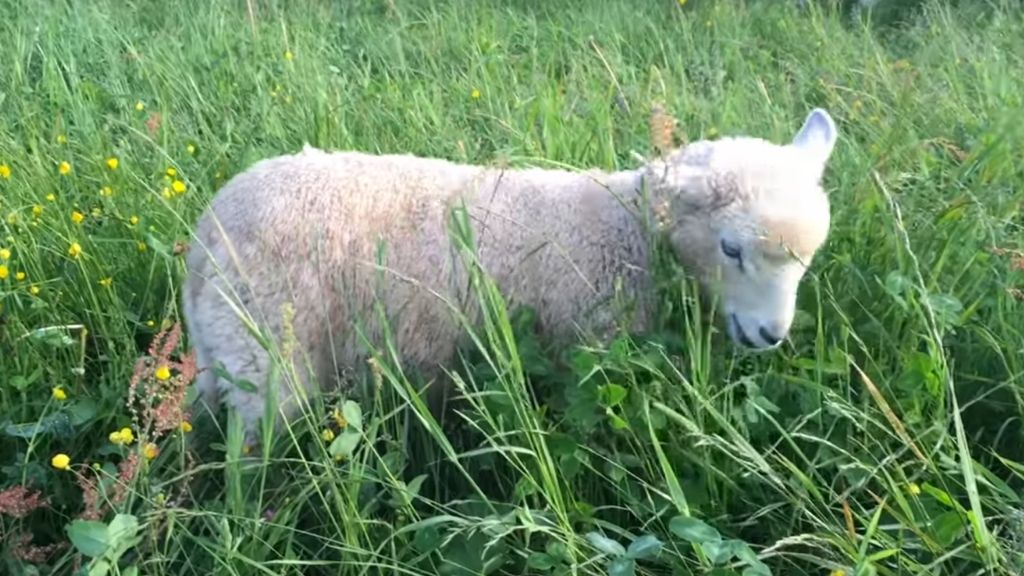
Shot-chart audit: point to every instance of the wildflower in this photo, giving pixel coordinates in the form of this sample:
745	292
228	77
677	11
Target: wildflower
18	501
150	451
186	426
77	217
112	163
191	149
37	210
475	94
171	171
150	323
19	276
133	220
5	254
5	171
327	435
914	489
33	290
51	197
64	168
339	419
58	393
140	106
141	246
62	139
61	462
122	436
179	187
3	272
288	55
106	282
106	191
162	373
837	572
75	250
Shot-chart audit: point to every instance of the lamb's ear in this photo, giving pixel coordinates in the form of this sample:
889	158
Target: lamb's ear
818	135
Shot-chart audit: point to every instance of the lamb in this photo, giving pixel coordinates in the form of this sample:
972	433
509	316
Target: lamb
293	244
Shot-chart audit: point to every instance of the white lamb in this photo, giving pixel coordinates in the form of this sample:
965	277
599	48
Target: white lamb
743	215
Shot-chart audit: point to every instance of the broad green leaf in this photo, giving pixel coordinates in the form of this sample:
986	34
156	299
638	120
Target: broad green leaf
718	551
345	444
622	567
353	414
644	547
88	537
122	527
605	545
693	530
612	395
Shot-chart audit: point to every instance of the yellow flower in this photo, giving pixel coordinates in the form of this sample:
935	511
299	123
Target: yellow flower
51	197
186	426
150	323
106	191
141	246
133	220
62	139
106	282
5	254
475	94
191	149
914	489
64	168
112	163
150	451
58	393
3	272
167	193
122	436
37	210
288	55
171	171
74	250
77	217
140	106
19	276
339	419
837	572
162	373
327	435
61	462
682	2
33	290
5	171
179	187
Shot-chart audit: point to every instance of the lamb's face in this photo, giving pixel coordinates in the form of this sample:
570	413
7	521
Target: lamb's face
746	217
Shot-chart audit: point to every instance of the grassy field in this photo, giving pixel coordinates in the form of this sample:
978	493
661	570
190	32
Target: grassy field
884	438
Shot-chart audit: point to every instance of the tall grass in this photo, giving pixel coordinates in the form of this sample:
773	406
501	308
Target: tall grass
884	438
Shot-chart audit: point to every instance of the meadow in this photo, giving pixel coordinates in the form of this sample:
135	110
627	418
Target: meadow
885	437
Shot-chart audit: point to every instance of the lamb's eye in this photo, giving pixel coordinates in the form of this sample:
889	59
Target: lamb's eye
731	250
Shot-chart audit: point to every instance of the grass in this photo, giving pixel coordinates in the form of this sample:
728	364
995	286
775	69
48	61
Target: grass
885	438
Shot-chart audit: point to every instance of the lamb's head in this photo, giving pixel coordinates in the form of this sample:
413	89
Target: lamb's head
746	216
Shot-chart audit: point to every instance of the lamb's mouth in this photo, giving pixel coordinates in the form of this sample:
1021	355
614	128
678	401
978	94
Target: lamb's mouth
740	334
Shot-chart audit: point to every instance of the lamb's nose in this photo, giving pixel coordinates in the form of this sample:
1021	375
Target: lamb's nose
769	337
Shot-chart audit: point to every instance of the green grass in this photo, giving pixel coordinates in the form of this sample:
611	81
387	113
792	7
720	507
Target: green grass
885	438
